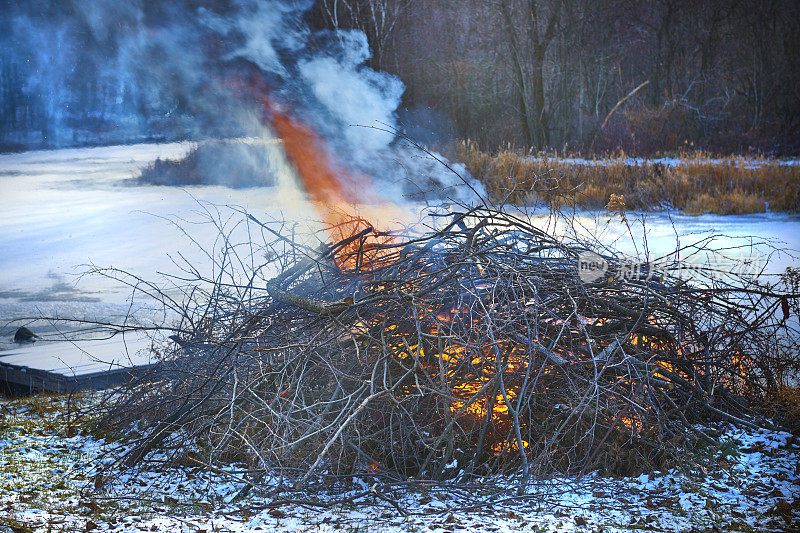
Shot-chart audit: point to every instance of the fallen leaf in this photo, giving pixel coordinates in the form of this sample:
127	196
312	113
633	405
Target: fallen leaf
785	508
91	505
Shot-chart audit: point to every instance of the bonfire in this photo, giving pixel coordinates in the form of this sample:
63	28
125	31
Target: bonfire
471	343
473	348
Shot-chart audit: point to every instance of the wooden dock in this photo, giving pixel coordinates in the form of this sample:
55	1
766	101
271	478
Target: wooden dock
65	366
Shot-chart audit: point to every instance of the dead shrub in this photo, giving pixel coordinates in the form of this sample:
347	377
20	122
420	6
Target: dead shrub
232	163
783	403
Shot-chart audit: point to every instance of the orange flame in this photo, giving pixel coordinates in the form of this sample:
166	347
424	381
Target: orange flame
305	150
331	188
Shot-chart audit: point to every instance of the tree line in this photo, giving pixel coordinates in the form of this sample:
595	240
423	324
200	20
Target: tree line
576	75
720	75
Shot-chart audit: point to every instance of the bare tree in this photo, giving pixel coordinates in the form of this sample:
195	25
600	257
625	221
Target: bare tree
376	18
531	27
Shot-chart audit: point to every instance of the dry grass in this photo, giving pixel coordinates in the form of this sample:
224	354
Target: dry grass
45	413
783	403
699	185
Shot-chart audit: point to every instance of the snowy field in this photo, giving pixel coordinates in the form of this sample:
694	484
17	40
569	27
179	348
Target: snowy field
53	480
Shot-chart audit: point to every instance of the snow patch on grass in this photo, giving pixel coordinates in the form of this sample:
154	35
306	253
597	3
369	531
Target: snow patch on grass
53	480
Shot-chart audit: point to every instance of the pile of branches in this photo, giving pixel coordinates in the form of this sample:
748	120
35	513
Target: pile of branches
473	347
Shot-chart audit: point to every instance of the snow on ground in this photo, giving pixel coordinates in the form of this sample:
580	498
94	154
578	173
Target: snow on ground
50	482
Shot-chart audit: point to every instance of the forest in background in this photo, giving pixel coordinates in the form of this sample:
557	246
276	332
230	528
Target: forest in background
720	76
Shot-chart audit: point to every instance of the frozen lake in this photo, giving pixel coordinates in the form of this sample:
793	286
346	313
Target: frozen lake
63	210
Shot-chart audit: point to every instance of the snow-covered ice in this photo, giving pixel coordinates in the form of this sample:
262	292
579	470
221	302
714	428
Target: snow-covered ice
65	209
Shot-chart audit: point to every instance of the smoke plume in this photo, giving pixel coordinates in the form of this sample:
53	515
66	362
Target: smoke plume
110	71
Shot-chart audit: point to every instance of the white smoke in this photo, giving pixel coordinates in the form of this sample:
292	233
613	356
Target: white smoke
265	26
354	95
162	67
352	105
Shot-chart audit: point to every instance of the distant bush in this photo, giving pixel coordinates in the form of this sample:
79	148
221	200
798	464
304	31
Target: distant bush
676	126
236	164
